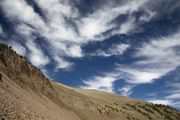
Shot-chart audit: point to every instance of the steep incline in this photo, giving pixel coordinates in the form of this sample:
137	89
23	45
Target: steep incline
25	93
24	73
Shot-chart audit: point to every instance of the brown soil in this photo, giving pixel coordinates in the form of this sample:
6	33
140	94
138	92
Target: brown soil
26	94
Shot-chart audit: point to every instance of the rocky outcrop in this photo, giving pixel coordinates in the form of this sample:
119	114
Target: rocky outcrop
23	73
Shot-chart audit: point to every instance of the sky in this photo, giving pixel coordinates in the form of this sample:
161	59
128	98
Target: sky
127	47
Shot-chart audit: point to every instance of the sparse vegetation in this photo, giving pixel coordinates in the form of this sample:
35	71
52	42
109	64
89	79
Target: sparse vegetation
1	78
2	46
30	92
2	58
115	104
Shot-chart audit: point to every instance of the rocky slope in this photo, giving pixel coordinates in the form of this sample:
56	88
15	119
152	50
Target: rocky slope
25	93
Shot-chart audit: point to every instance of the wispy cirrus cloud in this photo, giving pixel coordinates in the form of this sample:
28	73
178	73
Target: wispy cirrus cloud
37	57
159	101
61	63
159	57
30	24
126	90
171	99
1	30
64	30
154	64
169	91
102	82
94	25
173	96
117	49
18	48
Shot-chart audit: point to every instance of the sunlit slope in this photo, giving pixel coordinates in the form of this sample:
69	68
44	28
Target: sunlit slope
26	94
96	105
24	104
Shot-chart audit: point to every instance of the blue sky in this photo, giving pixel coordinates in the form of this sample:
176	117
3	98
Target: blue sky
128	47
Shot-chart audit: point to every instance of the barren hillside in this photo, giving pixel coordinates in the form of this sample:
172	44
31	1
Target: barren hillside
26	94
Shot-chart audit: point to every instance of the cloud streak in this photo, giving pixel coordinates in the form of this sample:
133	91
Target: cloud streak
101	82
164	102
37	57
65	30
1	30
154	64
115	50
160	56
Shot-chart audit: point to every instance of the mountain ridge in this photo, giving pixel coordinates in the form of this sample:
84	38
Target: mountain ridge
28	94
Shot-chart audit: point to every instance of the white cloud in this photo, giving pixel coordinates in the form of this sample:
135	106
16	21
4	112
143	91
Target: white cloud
54	30
1	30
147	16
126	90
58	31
118	49
52	6
20	10
92	26
176	104
101	82
96	23
171	100
154	50
25	30
18	48
105	82
160	58
174	86
74	51
126	27
140	76
173	96
57	28
156	64
61	63
164	102
36	56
